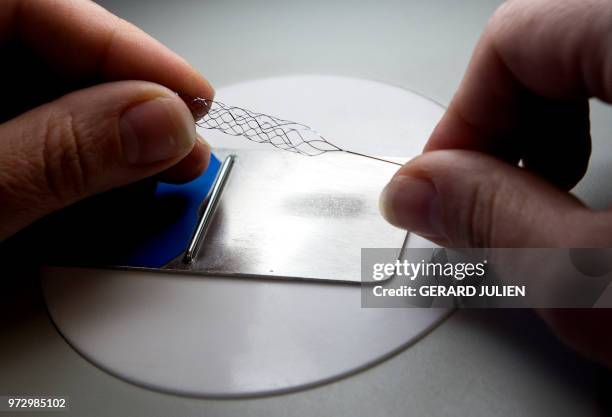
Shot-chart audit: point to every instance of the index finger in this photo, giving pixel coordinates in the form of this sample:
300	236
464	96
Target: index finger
81	39
529	80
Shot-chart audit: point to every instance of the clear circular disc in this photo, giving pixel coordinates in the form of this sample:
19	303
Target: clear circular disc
222	337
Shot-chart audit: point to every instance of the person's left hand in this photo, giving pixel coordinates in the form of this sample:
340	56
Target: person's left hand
73	121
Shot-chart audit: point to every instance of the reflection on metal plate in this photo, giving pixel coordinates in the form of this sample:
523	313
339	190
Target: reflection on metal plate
290	216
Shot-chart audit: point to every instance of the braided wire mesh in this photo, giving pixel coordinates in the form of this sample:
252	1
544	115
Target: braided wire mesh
261	128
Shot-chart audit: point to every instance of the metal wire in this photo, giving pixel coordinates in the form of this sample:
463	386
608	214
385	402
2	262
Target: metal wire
262	128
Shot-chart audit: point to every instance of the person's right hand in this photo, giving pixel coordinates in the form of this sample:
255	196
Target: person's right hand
88	104
524	98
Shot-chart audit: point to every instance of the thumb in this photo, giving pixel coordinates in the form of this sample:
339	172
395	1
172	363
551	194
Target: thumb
467	199
85	143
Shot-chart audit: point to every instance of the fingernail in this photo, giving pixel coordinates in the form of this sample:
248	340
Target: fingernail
411	203
199	107
202	140
156	130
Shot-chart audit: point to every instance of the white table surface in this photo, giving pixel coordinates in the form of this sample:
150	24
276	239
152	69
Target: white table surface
489	363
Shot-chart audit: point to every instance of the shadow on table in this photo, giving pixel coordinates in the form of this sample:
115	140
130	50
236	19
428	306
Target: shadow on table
529	335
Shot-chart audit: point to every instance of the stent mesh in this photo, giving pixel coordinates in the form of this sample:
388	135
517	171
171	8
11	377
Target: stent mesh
261	128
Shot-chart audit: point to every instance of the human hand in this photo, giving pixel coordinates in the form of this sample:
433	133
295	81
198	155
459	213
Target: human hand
74	121
524	98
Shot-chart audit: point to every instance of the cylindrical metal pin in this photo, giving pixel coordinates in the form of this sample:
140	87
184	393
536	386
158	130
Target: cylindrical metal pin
209	211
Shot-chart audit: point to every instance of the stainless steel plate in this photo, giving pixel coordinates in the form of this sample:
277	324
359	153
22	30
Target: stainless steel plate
290	216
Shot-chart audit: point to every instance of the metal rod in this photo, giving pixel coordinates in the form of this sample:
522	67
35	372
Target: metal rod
372	157
209	211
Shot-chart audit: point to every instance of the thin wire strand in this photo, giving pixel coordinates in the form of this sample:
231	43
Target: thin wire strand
373	157
262	128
